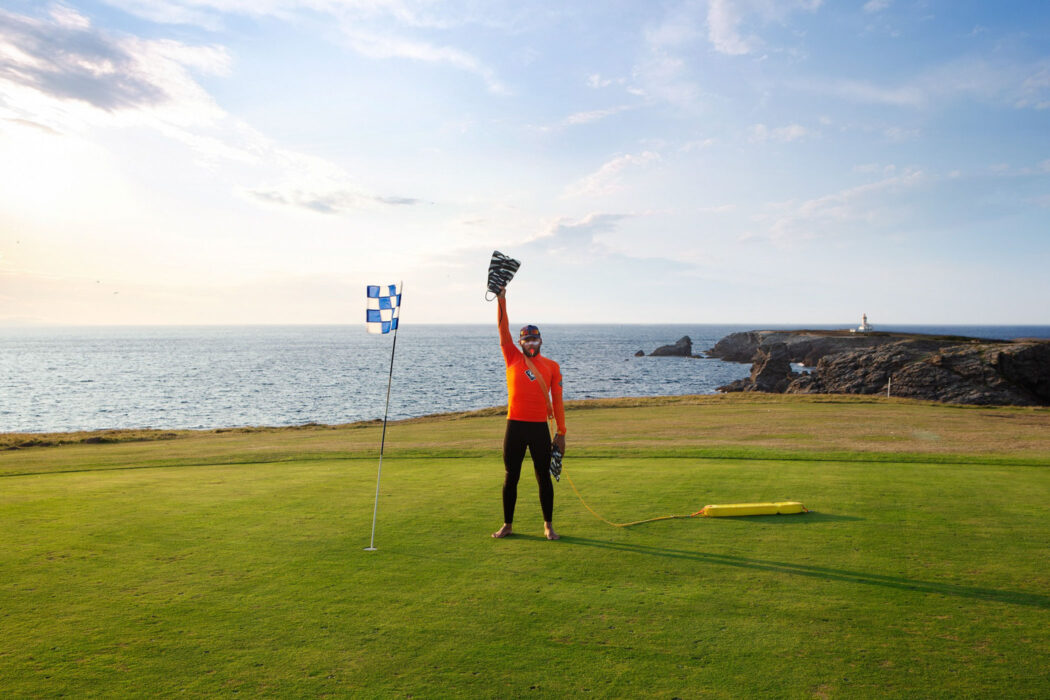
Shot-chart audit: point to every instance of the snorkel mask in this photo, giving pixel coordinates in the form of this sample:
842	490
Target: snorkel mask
530	341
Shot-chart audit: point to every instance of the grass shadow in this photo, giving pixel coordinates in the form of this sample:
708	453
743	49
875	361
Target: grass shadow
809	518
864	578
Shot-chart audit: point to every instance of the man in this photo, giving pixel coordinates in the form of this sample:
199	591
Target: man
527	410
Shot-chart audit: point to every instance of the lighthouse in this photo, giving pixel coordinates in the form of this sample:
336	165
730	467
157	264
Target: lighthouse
864	326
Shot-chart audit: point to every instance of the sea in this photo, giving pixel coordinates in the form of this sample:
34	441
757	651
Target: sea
58	379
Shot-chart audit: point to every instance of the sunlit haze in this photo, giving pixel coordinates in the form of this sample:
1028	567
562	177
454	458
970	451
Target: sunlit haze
718	161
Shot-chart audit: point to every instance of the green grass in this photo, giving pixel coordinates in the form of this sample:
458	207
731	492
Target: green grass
215	564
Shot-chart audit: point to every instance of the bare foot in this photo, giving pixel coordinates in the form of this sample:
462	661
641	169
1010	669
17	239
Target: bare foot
503	531
548	530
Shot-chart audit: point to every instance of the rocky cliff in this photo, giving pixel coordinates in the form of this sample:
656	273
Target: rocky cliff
682	348
939	368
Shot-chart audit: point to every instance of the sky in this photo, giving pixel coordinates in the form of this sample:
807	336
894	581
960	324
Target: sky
708	161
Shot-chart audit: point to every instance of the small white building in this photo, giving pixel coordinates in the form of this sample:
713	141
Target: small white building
864	326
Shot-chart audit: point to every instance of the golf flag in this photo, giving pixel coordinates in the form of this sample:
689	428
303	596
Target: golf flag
384	303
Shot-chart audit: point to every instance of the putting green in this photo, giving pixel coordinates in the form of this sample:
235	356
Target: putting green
216	564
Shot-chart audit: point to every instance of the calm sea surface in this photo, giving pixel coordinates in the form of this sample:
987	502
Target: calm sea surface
60	379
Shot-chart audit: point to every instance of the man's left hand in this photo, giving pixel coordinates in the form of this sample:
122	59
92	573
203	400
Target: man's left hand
559	442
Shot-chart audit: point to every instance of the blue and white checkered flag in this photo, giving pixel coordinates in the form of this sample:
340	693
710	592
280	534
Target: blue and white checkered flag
384	303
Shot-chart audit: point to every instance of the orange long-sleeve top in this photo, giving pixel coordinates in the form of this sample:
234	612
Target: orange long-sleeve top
525	399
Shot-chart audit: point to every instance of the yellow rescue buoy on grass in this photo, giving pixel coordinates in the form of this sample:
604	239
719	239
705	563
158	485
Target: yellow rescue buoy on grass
731	509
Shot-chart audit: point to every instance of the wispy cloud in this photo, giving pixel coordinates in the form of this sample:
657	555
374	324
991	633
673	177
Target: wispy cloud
825	215
608	178
791	132
332	202
594	115
579	235
60	74
1025	86
872	6
697	145
869	93
723	29
726	19
382	45
378	29
61	56
1035	88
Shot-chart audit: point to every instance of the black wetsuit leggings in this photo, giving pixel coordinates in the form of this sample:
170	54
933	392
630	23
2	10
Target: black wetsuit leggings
537	437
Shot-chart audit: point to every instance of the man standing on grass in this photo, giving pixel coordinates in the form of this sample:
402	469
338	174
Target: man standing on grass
534	390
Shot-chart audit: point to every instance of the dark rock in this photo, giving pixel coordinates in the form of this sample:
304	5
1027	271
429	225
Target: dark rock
737	347
683	348
771	372
1027	366
966	374
640	353
772	369
938	368
737	385
807	346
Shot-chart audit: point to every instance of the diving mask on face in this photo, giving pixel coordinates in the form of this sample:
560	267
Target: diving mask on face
531	346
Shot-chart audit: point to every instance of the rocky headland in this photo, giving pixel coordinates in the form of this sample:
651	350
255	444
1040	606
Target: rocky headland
952	369
682	348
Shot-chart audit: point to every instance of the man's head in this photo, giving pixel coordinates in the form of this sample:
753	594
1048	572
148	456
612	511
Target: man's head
530	340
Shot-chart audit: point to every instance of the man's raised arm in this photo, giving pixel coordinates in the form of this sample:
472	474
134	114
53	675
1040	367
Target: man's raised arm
506	340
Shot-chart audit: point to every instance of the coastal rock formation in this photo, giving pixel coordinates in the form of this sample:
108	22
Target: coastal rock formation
771	372
937	368
683	348
808	346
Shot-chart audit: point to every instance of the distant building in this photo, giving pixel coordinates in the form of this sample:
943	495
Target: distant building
864	326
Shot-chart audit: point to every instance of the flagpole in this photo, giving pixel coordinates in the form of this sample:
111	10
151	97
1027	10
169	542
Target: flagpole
382	442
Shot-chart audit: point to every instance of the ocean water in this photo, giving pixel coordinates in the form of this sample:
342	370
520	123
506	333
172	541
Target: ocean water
89	378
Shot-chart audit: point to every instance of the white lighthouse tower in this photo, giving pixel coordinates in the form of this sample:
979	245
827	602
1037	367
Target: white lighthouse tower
864	326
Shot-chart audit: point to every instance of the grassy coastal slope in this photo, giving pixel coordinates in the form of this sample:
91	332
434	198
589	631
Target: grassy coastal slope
222	562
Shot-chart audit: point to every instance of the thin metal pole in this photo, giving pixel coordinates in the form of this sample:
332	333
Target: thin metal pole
382	442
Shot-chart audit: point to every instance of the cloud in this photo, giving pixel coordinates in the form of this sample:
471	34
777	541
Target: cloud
868	93
1035	89
61	58
385	45
607	179
373	28
587	117
594	115
64	59
568	234
723	29
725	19
1024	86
59	74
899	134
596	81
34	125
876	5
821	215
792	132
697	145
332	202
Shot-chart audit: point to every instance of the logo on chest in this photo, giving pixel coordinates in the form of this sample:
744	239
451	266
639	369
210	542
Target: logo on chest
530	375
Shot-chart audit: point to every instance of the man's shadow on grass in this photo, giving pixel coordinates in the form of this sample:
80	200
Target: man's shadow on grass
829	574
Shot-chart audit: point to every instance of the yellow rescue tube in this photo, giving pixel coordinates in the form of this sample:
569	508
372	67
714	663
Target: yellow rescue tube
731	509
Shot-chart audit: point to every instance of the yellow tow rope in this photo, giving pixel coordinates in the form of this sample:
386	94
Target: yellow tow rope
636	522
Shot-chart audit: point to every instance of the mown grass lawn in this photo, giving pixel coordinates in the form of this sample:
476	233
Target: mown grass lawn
216	564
